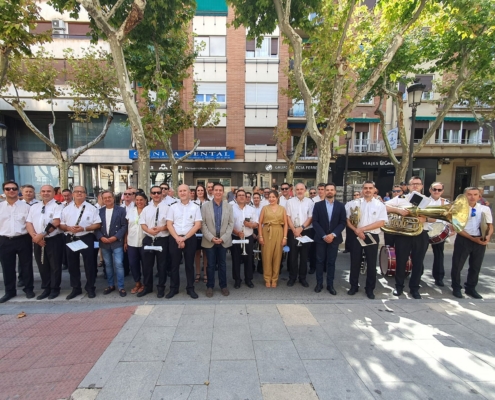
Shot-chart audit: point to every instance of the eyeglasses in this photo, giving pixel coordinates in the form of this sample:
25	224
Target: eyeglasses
473	212
312	192
10	189
285	188
415	184
78	191
396	191
129	194
437	190
156	192
164	188
356	194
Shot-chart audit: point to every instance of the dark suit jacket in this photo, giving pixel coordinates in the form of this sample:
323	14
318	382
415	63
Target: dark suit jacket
323	226
118	227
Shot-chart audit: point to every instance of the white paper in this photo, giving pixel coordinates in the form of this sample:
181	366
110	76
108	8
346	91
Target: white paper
77	245
362	242
305	239
240	241
97	245
155	248
424	203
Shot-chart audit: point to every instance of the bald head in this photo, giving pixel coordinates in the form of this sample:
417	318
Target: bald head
183	191
300	190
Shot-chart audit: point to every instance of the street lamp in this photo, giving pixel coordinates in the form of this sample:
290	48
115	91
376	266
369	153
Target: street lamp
348	135
414	94
3	139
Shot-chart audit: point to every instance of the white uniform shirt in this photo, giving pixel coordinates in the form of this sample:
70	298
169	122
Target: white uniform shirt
32	202
169	200
135	233
264	202
90	216
184	216
438	202
13	218
257	210
240	215
40	215
299	211
209	197
129	207
152	216
399	202
473	224
371	212
317	199
283	201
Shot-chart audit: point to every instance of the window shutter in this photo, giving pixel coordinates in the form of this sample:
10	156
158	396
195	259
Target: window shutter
211	137
211	88
250	45
78	29
254	136
42	26
470	126
454	125
427	81
360	127
421	124
250	93
274	49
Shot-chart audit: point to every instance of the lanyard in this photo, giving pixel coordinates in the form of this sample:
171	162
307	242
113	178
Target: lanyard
156	216
80	215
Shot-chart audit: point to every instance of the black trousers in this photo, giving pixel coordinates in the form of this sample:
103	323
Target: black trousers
88	256
312	250
189	252
161	261
348	239
416	246
237	257
259	265
51	266
438	270
389	239
298	256
371	254
21	247
464	248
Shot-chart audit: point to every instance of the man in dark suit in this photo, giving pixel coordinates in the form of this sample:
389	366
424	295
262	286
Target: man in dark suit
329	220
111	238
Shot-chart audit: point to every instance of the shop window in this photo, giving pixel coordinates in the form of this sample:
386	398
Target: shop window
118	135
268	49
211	46
261	94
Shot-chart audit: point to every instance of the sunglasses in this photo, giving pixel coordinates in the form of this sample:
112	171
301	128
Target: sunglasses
156	192
10	189
356	195
473	212
128	194
164	188
312	192
396	191
285	188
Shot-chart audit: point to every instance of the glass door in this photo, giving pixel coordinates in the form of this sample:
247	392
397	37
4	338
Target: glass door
463	179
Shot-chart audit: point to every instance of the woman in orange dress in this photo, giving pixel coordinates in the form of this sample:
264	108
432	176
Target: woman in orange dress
273	238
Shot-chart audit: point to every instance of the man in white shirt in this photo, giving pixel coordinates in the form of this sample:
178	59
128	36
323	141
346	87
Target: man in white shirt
321	193
257	208
312	192
373	215
166	197
79	220
153	220
67	200
264	200
416	246
469	243
49	244
129	196
15	242
183	221
284	195
299	217
209	190
29	194
245	220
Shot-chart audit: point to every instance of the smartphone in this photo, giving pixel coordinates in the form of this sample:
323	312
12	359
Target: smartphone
247	219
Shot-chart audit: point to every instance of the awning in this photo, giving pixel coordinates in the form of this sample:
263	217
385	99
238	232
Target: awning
364	120
489	176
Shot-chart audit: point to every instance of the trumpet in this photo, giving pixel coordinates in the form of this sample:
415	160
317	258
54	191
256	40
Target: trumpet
243	241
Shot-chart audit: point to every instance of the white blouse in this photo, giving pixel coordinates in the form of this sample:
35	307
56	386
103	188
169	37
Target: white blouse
135	233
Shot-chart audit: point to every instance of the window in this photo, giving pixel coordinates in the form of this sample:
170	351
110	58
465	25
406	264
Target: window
211	137
297	109
260	136
211	46
420	129
426	80
268	49
361	137
368	99
310	150
261	93
118	135
206	92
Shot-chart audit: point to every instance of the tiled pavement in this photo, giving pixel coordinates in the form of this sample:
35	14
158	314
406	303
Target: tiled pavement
45	356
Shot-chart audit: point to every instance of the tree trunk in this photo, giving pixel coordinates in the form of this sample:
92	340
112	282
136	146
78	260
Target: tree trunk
401	171
324	156
174	169
132	113
289	177
63	173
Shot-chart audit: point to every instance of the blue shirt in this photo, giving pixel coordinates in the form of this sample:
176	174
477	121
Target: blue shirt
217	211
329	207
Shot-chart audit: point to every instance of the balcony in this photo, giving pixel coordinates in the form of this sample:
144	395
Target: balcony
367	146
297	110
470	141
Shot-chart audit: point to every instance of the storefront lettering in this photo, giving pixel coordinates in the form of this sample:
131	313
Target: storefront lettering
197	155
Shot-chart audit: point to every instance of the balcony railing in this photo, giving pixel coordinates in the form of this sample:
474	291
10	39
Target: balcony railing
367	146
297	110
474	141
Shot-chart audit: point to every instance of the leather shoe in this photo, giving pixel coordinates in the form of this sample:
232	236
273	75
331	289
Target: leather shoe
473	293
352	291
250	284
209	292
291	282
53	295
7	297
91	294
21	283
192	293
44	295
331	290
345	251
171	293
439	282
109	290
397	292
237	285
370	295
144	292
161	292
304	283
457	293
318	287
122	293
225	291
312	271
74	293
30	294
415	294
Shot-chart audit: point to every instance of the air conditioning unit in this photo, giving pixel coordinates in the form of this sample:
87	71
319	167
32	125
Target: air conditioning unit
58	24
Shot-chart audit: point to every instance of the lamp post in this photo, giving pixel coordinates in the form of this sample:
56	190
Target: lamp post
348	135
414	94
3	139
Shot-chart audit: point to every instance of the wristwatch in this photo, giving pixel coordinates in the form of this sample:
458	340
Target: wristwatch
302	226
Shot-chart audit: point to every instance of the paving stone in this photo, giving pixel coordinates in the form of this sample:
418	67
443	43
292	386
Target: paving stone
187	363
131	380
230	309
101	371
279	362
396	390
228	320
203	309
232	343
232	380
267	327
296	315
486	389
130	329
189	334
151	343
172	392
335	379
196	321
314	349
299	391
262	309
85	394
168	315
323	309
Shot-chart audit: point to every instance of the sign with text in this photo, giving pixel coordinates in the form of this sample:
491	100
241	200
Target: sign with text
393	135
197	155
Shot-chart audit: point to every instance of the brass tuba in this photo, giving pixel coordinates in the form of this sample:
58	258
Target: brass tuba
355	215
456	213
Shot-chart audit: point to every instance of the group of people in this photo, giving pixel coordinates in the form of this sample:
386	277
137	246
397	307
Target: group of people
168	231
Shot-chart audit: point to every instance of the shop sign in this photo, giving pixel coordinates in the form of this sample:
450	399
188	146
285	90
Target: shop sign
299	167
377	163
197	155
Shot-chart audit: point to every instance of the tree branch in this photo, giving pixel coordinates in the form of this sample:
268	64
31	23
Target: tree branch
300	145
4	64
134	17
381	115
189	153
344	32
114	8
